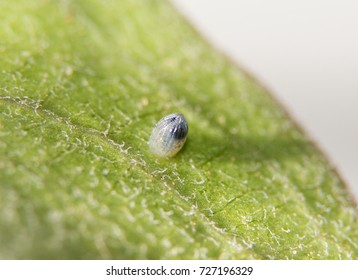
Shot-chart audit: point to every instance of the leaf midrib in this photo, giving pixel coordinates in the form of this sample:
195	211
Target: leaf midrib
45	113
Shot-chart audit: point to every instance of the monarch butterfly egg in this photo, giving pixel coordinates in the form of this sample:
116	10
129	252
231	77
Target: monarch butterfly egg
169	135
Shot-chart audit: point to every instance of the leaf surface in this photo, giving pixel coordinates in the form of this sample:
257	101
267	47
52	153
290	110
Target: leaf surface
82	85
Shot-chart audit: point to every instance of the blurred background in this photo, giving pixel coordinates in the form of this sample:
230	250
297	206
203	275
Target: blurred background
306	53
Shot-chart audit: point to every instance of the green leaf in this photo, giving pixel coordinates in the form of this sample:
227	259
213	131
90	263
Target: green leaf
83	83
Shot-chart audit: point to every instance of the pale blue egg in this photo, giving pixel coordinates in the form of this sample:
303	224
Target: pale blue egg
169	135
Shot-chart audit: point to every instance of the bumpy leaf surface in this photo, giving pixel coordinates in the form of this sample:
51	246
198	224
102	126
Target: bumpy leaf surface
82	84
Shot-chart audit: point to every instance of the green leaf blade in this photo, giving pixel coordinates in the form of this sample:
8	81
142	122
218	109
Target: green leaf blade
78	99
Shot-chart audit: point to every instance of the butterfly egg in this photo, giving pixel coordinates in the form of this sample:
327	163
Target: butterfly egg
169	135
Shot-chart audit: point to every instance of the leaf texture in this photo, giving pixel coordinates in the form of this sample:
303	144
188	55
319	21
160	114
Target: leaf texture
82	85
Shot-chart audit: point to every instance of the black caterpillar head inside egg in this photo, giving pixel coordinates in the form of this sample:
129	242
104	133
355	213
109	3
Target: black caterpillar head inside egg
169	135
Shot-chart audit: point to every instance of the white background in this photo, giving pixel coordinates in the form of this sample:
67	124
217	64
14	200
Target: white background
306	52
265	270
